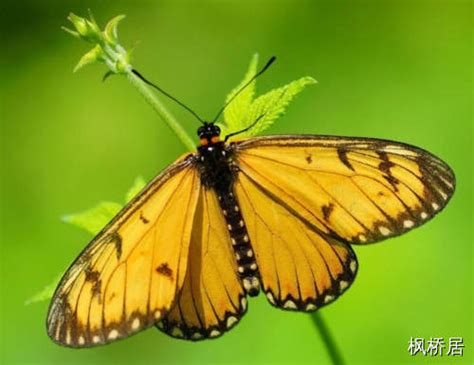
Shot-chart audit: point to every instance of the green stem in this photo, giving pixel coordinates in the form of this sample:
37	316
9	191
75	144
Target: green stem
161	110
333	351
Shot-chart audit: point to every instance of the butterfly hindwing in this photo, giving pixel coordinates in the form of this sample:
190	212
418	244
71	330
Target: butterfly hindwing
128	276
357	190
301	268
212	299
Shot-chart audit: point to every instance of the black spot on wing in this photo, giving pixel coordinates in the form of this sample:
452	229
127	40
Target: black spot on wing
165	270
143	219
385	165
342	154
327	210
93	276
116	239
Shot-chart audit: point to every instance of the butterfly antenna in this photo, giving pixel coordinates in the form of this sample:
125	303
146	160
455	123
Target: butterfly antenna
136	73
245	129
270	61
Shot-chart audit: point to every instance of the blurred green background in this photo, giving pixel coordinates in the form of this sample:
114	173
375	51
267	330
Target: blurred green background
400	70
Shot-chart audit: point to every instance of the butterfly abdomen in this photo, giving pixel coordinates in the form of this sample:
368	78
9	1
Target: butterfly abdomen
216	173
244	254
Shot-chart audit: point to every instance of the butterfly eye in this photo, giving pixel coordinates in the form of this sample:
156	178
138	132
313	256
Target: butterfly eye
201	131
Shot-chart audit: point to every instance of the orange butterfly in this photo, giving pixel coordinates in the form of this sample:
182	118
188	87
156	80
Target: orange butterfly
273	214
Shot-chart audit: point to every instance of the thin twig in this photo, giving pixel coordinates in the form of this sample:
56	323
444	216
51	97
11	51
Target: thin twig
331	346
161	110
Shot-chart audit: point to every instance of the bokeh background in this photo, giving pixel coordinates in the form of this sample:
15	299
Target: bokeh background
399	70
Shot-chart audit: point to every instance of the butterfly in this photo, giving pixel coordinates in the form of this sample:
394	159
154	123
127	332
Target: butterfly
274	215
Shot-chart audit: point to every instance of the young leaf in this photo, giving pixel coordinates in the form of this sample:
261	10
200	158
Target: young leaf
137	186
96	54
244	110
94	219
234	114
272	105
46	293
110	32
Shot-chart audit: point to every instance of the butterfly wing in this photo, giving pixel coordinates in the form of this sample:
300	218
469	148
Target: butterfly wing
212	299
128	276
303	198
301	268
357	190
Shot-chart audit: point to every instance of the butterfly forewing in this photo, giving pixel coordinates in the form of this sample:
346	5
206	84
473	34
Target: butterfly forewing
212	299
356	190
129	275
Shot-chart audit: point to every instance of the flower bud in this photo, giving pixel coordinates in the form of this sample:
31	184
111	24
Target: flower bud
106	47
88	30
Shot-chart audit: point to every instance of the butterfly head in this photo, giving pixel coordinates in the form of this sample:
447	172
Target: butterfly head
208	133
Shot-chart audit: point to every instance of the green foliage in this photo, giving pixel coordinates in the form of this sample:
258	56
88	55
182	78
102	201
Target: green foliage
94	55
272	105
94	219
245	110
236	111
110	32
46	293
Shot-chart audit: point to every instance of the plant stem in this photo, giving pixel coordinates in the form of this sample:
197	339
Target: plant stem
333	351
161	110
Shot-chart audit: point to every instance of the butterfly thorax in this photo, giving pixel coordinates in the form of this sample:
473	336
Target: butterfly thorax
215	161
217	172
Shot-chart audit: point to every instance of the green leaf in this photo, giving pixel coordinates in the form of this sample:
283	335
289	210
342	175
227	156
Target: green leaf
46	293
137	186
234	114
244	110
96	54
94	219
272	105
71	32
110	32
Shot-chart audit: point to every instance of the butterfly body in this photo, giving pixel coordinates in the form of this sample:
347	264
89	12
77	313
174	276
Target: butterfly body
217	172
